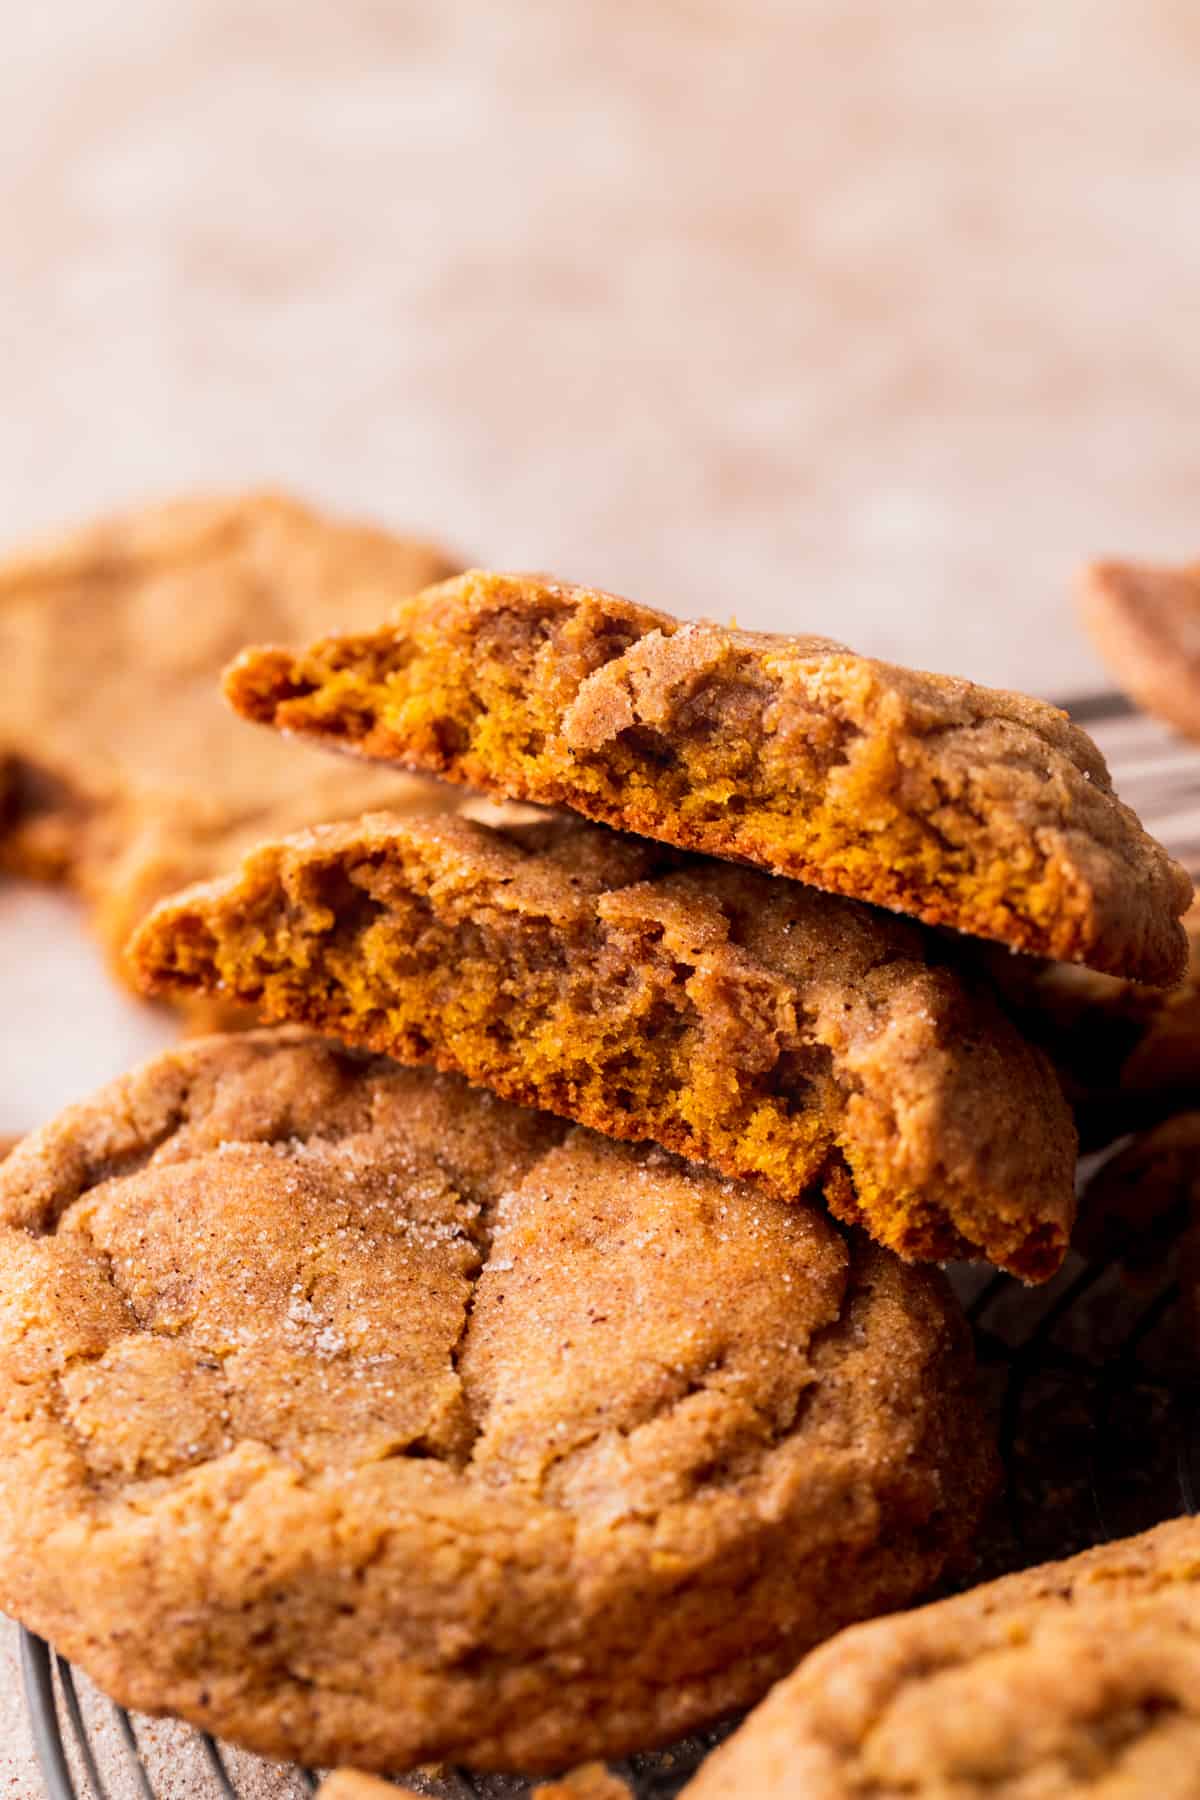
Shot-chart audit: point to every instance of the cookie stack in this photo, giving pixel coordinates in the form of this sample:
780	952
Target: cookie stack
528	1347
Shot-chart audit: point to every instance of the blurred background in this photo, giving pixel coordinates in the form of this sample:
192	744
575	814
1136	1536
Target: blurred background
863	319
852	318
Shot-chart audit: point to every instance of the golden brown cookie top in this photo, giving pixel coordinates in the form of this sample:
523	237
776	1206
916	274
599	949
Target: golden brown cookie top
400	1413
591	1781
120	769
1145	621
963	806
1080	1677
753	1023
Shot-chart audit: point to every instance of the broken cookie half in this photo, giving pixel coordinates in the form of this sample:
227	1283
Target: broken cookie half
985	811
757	1025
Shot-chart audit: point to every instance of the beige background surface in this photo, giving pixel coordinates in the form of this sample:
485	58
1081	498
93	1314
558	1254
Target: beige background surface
854	318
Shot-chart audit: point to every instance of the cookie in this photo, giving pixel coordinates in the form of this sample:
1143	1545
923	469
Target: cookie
1080	1677
353	1784
981	810
1145	621
358	1416
592	1781
1126	1054
121	772
770	1030
1144	1202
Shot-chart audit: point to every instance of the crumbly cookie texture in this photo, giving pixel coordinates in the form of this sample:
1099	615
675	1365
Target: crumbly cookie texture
984	811
1078	1678
361	1417
121	772
1126	1054
1145	621
772	1031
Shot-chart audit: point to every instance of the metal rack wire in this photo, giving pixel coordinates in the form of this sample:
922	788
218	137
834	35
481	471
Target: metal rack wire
1095	1387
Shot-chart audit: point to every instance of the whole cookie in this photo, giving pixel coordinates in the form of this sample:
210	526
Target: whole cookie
756	1024
360	1417
986	811
121	772
1081	1677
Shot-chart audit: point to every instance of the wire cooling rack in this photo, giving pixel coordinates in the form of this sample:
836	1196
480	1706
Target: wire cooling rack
1093	1381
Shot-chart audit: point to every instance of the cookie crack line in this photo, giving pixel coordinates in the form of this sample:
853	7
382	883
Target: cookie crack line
984	811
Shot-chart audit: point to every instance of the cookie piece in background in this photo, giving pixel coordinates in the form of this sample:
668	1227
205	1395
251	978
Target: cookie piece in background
355	1784
591	1781
960	805
358	1416
1080	1677
775	1032
1144	619
122	773
1126	1054
1143	1206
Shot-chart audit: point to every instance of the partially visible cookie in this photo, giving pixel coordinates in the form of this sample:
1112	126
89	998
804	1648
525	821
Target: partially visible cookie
360	1417
1126	1053
355	1784
590	1782
1077	1678
755	1024
962	806
1144	1203
1145	620
121	772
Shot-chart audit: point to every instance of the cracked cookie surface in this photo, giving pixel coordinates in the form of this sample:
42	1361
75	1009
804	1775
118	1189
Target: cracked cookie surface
1143	1205
966	807
760	1026
1077	1678
359	1416
121	772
